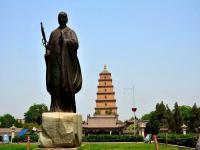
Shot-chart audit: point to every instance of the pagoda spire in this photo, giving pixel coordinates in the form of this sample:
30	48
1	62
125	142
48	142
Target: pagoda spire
105	67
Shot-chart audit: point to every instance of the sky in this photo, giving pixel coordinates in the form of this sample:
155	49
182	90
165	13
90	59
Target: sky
153	46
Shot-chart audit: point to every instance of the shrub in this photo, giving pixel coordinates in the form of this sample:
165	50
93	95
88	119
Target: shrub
188	140
19	139
112	138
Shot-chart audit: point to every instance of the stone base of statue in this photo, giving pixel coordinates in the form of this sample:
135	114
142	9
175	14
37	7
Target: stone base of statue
60	130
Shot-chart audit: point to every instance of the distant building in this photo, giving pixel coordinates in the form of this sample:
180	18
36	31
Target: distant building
9	131
105	119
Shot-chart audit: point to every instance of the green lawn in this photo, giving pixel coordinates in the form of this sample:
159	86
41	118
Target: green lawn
123	146
15	146
97	146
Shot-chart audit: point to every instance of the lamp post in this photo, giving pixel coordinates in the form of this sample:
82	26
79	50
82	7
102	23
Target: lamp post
134	110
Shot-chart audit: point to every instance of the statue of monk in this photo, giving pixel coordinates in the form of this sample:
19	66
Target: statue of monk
63	73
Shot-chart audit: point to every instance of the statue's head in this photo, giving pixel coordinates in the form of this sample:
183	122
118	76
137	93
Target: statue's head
62	18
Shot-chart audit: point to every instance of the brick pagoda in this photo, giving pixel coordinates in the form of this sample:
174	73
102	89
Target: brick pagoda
105	102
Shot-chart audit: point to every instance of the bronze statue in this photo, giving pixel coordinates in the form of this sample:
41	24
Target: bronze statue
63	73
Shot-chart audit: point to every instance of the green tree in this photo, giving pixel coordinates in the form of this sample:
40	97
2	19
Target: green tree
170	119
178	118
18	123
34	114
130	127
161	114
195	118
186	112
31	125
153	125
147	116
158	119
7	121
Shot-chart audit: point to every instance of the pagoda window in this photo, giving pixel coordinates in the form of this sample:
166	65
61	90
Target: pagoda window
105	90
105	97
105	104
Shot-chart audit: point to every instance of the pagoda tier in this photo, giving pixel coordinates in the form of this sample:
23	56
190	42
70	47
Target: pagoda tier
105	102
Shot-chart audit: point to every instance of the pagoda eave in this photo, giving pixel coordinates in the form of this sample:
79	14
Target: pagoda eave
105	86
105	93
105	80
105	73
105	108
105	100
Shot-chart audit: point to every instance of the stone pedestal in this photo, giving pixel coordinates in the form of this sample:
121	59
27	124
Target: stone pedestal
61	130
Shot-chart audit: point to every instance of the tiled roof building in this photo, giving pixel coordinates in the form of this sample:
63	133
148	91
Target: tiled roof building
8	131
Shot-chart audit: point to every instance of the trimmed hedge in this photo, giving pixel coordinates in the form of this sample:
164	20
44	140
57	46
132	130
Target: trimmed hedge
23	138
112	138
19	139
188	140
